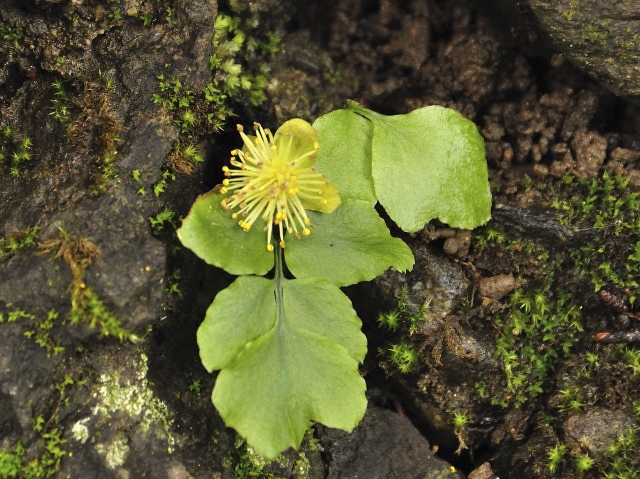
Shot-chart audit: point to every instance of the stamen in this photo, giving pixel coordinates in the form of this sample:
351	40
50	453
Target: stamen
268	183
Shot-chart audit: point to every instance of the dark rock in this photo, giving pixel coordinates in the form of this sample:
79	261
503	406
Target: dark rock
596	429
483	471
25	382
435	285
384	446
436	288
600	37
520	456
541	224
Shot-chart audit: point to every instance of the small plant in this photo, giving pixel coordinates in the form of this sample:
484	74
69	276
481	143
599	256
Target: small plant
195	387
41	333
38	422
11	462
115	15
11	32
206	111
162	219
108	171
584	463
86	305
146	19
14	464
631	359
460	420
190	152
13	150
18	240
622	457
161	185
536	333
136	176
571	400
592	359
38	330
401	317
247	463
59	107
402	356
169	17
295	330
174	283
556	458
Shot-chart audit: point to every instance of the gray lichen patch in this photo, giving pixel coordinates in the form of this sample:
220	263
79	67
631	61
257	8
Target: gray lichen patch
134	398
80	431
115	452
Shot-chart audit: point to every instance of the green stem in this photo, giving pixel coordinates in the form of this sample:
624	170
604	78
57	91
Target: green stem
278	280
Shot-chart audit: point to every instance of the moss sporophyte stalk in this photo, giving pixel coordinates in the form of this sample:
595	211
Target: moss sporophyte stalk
273	179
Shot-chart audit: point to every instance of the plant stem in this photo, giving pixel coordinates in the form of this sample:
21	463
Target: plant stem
278	279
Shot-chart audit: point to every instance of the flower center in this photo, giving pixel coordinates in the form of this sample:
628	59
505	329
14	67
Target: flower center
268	182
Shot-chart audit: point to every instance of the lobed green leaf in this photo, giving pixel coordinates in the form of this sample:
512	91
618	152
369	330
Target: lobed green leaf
285	362
350	245
429	163
345	153
211	233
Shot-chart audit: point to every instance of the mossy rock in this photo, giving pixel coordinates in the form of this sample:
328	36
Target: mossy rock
600	37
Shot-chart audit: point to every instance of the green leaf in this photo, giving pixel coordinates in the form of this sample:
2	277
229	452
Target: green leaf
345	153
350	245
211	233
428	164
231	320
286	359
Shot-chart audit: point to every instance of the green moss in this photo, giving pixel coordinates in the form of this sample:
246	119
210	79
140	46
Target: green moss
86	305
539	327
622	458
16	462
15	150
400	354
245	463
11	33
612	258
18	240
239	74
38	327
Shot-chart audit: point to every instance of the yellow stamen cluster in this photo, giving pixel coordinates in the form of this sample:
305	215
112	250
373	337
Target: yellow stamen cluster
272	179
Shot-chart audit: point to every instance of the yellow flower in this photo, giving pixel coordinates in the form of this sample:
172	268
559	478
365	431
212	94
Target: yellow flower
273	179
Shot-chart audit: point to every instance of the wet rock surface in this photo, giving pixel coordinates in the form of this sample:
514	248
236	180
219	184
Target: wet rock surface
599	37
143	409
383	446
597	429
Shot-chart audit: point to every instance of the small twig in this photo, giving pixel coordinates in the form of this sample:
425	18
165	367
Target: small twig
617	337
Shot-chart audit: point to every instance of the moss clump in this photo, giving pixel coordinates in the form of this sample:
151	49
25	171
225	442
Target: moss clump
18	240
86	305
15	150
612	259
